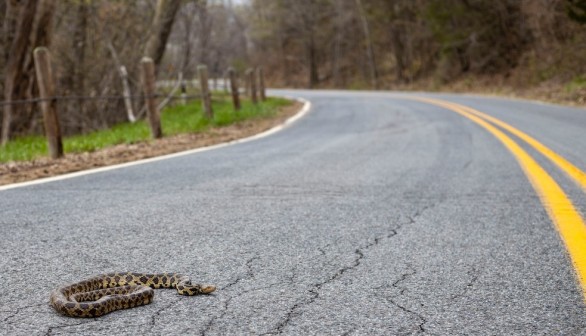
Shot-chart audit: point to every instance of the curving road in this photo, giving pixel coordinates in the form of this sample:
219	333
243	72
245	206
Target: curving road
375	214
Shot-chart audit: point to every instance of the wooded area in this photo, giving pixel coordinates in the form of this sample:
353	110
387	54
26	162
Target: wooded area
97	45
369	44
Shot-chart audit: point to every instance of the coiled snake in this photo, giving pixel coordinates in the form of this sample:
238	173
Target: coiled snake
105	293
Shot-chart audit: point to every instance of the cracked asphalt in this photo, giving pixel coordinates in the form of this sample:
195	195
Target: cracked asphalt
372	215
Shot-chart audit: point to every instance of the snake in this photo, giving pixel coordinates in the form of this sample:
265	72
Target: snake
105	293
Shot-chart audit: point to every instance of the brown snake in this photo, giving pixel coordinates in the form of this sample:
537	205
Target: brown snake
105	293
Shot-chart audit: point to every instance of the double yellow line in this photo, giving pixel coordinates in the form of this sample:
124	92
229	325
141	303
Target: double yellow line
562	212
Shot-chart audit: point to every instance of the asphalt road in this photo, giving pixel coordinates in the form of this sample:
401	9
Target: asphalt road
371	215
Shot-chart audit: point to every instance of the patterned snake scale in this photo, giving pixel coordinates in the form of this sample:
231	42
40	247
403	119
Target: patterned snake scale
105	293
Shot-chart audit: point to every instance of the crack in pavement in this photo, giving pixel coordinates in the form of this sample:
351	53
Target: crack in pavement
51	329
156	314
18	310
404	276
98	329
359	252
211	323
226	303
316	288
249	273
314	292
474	275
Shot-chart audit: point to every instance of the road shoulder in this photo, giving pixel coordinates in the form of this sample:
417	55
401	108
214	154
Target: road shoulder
17	172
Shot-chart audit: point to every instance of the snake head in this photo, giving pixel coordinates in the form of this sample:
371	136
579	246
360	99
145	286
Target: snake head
206	289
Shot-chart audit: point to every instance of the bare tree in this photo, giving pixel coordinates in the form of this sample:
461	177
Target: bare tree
369	47
205	29
309	43
33	29
162	25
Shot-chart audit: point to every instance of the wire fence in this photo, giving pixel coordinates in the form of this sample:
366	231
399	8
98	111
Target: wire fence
215	83
151	101
94	98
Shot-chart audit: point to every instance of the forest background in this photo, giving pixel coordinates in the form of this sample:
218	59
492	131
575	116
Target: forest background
530	48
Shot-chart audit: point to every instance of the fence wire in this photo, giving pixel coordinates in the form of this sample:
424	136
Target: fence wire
94	98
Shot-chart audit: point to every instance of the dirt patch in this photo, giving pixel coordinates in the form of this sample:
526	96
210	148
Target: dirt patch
29	170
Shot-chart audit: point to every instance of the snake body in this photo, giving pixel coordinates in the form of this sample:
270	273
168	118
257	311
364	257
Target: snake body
105	293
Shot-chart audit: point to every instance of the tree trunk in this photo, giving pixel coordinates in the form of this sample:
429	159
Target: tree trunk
369	48
312	59
162	25
79	39
205	29
15	62
337	55
337	48
13	8
33	29
188	31
284	60
398	50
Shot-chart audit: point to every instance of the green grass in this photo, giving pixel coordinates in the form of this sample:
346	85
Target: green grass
174	120
577	83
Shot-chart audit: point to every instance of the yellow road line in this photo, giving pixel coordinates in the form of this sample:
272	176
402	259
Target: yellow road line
562	212
573	171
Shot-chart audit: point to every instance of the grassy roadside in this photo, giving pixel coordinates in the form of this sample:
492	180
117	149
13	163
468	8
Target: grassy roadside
174	120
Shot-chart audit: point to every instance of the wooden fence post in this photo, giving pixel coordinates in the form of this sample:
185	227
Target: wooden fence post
183	93
261	84
250	78
234	88
49	104
148	82
206	96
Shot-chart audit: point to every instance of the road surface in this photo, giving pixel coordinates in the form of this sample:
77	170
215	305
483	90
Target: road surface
374	214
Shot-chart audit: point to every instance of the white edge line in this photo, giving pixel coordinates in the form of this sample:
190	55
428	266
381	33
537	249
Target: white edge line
304	110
